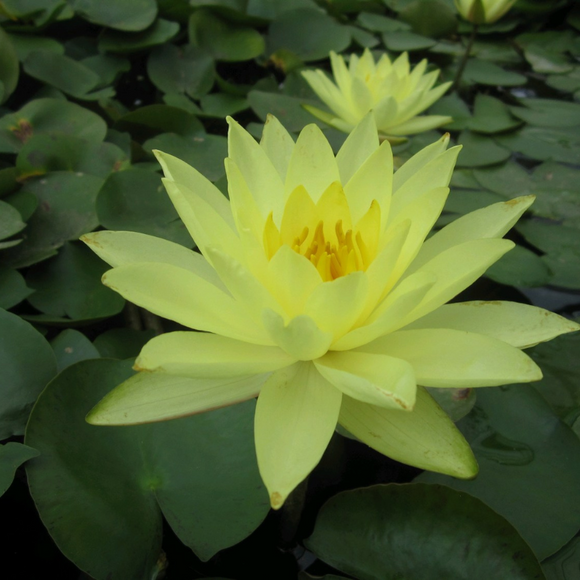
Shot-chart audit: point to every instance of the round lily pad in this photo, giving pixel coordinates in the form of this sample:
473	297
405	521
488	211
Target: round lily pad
128	15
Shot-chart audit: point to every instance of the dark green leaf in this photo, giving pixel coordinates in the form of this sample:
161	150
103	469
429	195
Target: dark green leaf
400	41
431	532
160	32
222	39
69	285
548	112
308	33
13	289
490	115
455	107
66	210
46	116
520	267
479	151
529	464
181	70
111	484
12	456
432	18
122	343
136	201
204	152
24	44
128	15
9	66
27	363
379	23
72	346
10	221
486	73
565	564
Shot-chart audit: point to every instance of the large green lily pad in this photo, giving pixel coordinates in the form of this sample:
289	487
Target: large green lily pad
431	532
108	486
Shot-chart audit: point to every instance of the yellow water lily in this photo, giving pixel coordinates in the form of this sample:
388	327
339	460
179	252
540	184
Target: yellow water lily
317	291
483	11
393	91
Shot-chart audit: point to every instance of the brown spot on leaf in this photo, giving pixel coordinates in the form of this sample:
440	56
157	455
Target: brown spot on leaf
22	130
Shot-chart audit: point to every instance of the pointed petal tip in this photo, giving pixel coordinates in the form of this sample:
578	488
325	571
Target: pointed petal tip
276	500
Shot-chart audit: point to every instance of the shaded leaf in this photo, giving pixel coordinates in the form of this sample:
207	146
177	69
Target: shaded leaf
12	456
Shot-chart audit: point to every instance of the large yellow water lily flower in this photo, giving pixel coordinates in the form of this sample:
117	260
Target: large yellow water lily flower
483	11
316	290
391	90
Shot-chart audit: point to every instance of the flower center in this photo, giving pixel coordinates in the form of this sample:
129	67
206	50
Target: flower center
333	258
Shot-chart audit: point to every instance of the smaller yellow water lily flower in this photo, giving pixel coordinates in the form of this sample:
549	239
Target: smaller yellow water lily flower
483	11
318	292
390	89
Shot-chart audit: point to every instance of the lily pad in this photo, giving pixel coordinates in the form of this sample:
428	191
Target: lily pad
529	465
490	116
565	564
136	201
181	70
479	151
12	456
520	267
122	343
160	32
155	469
409	531
453	106
548	112
68	287
401	41
222	39
486	73
28	364
308	33
127	15
49	116
13	288
9	66
72	346
66	210
10	221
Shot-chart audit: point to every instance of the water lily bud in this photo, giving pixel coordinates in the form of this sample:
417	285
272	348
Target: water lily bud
483	11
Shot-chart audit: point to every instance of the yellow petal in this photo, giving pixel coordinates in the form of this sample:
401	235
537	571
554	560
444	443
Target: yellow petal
372	181
204	355
419	160
420	124
458	359
299	212
333	207
434	174
300	338
517	324
340	72
295	419
425	438
258	171
493	221
457	268
179	171
362	99
182	296
391	314
292	278
149	397
123	248
242	284
358	147
205	225
277	144
312	164
336	305
371	378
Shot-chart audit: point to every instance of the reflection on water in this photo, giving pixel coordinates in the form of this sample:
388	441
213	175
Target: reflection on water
503	450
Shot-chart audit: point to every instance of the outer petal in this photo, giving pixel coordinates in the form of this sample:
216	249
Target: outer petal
335	306
517	324
205	225
391	313
457	268
493	221
436	173
149	397
372	181
312	164
278	145
454	358
300	338
371	378
204	355
425	438
419	160
295	418
177	170
123	248
258	171
358	147
182	296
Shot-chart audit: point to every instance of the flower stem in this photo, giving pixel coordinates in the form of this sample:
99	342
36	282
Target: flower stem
465	58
